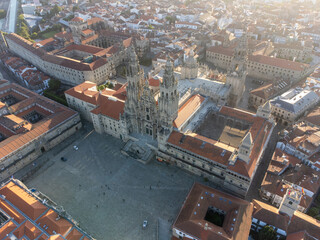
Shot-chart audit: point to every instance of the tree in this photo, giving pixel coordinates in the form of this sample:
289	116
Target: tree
171	19
313	212
75	8
109	85
55	10
267	233
20	18
54	84
34	35
101	87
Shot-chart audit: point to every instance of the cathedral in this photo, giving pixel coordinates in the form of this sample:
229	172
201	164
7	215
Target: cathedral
179	123
149	111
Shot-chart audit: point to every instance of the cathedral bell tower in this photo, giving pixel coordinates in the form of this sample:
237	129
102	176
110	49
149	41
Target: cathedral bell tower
135	80
237	71
169	97
76	25
290	202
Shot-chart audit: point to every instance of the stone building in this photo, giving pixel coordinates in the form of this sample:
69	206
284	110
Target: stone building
157	117
300	51
195	220
208	214
30	125
26	214
292	104
81	55
261	95
69	70
287	171
237	71
259	66
189	68
229	162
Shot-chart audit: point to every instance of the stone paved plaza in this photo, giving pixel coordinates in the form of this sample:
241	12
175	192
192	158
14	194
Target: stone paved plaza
109	194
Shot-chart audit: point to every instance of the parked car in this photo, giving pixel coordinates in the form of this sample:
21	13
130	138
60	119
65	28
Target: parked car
63	159
75	147
145	223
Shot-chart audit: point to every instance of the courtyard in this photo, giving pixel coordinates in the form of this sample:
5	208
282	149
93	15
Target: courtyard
226	131
109	194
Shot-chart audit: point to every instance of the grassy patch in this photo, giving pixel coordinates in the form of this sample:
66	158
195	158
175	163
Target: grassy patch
49	34
52	95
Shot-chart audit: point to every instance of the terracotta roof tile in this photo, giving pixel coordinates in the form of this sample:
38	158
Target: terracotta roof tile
191	217
110	106
277	62
77	19
17	201
49	219
6	229
21	199
221	50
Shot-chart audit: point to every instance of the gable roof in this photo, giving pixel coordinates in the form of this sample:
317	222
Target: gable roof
191	219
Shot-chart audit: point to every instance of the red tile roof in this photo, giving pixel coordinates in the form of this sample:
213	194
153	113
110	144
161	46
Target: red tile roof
277	62
18	200
77	19
191	220
260	129
81	92
154	82
94	20
53	116
110	107
221	50
56	59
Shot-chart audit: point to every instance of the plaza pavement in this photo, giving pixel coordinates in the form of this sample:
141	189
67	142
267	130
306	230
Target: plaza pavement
110	194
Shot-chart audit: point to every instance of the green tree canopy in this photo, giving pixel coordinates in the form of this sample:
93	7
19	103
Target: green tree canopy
54	84
313	212
55	10
75	8
171	19
267	233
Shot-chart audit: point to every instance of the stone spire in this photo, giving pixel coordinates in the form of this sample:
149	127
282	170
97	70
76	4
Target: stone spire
134	67
264	110
245	148
168	76
169	97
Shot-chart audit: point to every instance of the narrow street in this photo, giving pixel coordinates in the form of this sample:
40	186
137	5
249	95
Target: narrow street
6	74
253	192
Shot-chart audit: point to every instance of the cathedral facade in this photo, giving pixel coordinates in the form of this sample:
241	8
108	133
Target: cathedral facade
148	111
